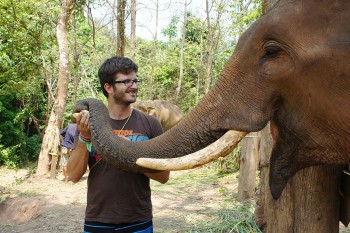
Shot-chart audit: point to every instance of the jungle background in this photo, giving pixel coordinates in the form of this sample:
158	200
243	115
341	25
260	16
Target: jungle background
50	52
180	68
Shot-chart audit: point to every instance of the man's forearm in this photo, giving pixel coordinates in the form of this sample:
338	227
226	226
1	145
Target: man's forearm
77	162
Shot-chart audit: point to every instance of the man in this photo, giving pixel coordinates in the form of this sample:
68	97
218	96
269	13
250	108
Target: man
68	137
117	200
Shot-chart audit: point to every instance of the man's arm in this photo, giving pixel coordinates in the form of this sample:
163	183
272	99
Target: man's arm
78	161
161	177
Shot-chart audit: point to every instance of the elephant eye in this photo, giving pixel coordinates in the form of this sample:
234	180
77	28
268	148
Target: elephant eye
275	59
271	51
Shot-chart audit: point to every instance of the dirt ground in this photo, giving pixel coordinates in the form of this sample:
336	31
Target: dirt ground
29	204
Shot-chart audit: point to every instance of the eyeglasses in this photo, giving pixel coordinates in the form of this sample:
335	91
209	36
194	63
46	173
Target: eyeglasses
129	82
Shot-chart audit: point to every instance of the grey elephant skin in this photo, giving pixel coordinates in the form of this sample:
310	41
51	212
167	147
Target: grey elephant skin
292	68
167	113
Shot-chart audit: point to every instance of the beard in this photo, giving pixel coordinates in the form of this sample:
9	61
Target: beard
124	98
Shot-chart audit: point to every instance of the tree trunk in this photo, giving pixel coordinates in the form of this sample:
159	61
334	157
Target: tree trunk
178	88
157	21
76	56
153	54
212	41
133	30
121	27
209	51
249	161
57	111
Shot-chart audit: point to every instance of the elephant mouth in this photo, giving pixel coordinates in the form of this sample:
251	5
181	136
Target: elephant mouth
219	148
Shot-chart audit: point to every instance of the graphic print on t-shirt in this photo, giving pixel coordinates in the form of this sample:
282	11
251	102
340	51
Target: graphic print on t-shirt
134	137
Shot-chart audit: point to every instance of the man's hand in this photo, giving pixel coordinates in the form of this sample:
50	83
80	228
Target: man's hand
83	124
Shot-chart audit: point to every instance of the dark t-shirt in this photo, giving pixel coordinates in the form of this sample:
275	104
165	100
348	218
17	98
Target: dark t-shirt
117	196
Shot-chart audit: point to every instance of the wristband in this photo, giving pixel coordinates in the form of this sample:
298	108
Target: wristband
85	137
86	141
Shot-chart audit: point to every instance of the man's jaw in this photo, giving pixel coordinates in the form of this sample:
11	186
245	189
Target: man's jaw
132	95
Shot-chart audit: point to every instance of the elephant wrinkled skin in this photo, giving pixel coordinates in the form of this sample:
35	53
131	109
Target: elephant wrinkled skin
292	68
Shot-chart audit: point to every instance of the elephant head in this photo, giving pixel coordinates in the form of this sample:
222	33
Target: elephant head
167	113
292	68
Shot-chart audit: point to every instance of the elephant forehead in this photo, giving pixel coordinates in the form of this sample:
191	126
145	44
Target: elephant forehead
307	22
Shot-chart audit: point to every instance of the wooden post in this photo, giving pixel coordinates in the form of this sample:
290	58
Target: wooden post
264	166
54	153
249	161
54	159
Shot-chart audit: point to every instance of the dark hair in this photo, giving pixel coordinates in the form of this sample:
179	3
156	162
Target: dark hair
109	69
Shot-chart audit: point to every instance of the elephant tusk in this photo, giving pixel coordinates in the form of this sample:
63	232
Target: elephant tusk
219	148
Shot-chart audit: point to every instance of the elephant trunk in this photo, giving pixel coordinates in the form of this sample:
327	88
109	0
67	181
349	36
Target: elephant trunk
187	137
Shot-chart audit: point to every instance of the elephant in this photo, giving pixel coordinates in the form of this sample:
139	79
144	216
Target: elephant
167	113
290	68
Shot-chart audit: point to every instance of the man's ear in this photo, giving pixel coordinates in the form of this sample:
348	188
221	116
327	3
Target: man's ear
108	87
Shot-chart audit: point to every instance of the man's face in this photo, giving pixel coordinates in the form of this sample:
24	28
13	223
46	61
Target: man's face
125	89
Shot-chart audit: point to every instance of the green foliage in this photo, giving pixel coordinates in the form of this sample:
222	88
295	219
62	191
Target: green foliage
171	30
196	32
20	154
29	64
24	39
30	149
243	14
16	148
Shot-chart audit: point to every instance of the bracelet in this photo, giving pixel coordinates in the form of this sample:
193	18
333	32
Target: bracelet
86	141
86	138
